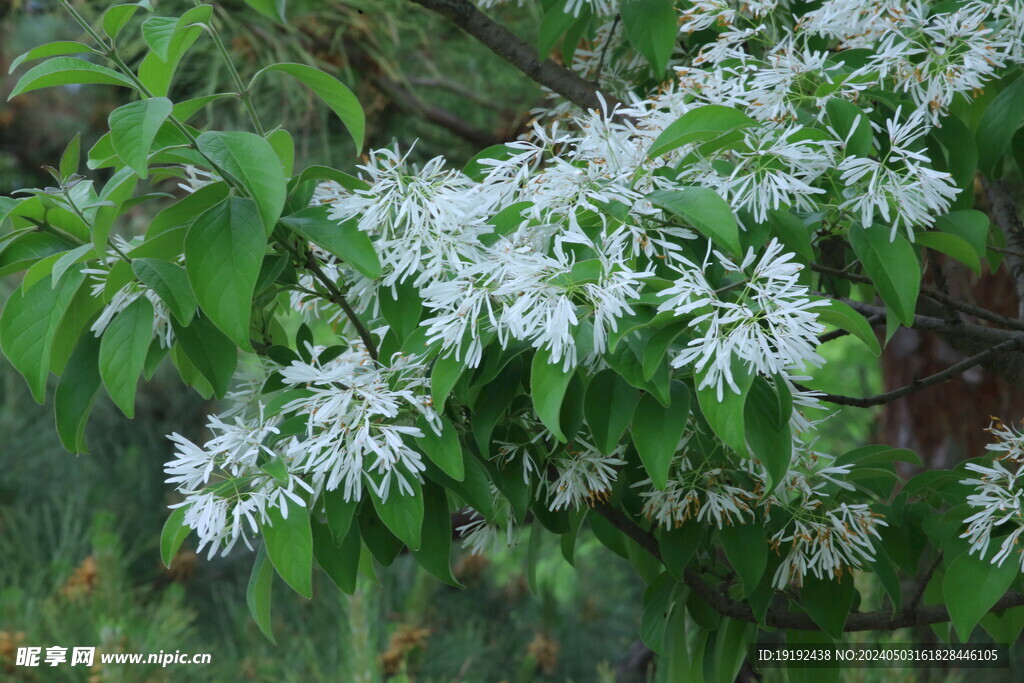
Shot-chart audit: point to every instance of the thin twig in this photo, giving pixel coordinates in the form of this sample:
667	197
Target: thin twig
963	307
337	297
918	385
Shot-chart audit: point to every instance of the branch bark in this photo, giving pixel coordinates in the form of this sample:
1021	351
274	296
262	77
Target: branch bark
518	53
879	620
439	116
1004	214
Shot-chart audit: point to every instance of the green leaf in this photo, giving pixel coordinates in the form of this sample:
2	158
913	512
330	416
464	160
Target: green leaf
27	326
134	126
842	316
792	231
609	405
333	92
657	346
697	125
55	49
344	240
402	514
547	389
257	594
123	352
657	430
272	9
223	255
828	602
445	451
66	71
972	226
183	111
71	158
725	415
770	442
555	22
951	245
76	393
173	535
339	513
892	267
289	542
705	210
434	554
250	161
170	283
852	125
652	28
443	376
212	354
747	550
971	586
401	307
284	146
998	124
338	559
116	17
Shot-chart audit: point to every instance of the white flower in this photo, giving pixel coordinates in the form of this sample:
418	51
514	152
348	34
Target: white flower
584	475
825	543
998	497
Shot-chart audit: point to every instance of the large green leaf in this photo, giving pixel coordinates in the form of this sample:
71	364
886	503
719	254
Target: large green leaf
767	434
434	553
170	283
445	450
892	266
272	9
697	125
55	49
66	71
657	430
609	405
27	326
725	416
289	542
333	92
257	594
211	354
998	124
747	549
76	392
828	602
705	210
844	317
951	245
173	535
123	352
250	161
223	255
116	17
344	240
971	586
652	28
402	514
547	389
134	126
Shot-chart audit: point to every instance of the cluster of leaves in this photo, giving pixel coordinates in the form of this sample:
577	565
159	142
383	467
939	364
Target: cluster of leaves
212	280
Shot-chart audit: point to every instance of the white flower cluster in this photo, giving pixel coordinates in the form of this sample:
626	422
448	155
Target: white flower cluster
998	497
355	414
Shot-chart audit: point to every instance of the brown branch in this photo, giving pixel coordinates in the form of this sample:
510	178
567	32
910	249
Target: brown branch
879	620
518	53
947	374
931	293
1004	214
336	296
439	116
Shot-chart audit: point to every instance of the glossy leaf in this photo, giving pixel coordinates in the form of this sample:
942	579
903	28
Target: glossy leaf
123	351
547	389
250	161
657	431
134	126
289	543
66	71
344	240
705	210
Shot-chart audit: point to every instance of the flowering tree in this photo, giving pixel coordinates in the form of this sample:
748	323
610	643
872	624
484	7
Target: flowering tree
602	326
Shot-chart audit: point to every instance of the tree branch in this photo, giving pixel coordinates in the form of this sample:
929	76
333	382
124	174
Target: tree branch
437	115
931	293
879	620
518	53
337	297
1004	214
918	385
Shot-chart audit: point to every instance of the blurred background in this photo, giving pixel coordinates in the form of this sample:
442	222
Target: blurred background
79	562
